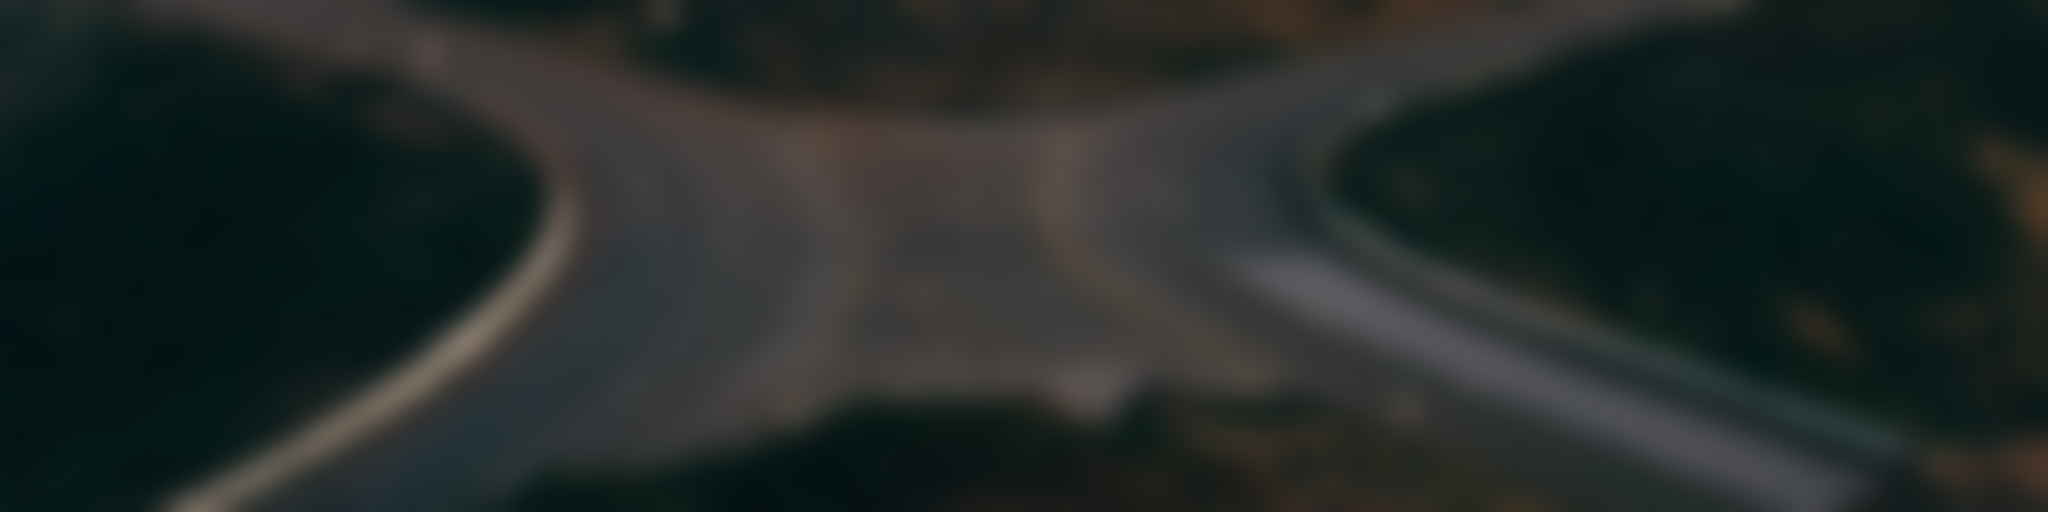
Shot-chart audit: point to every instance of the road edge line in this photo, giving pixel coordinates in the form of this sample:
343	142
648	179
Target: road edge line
459	347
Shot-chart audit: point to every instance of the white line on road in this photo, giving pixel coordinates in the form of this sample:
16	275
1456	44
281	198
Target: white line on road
456	351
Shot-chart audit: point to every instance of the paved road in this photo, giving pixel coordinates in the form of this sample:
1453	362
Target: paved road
711	268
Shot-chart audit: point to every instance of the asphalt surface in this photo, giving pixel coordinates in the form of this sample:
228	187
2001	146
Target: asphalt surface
711	269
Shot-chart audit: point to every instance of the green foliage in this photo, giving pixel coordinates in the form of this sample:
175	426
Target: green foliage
1704	183
955	55
1168	451
892	457
208	245
526	11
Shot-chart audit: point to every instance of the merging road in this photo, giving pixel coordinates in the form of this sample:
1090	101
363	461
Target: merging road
709	269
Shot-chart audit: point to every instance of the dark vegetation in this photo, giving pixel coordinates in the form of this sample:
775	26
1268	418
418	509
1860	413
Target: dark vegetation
203	245
969	55
528	11
1843	195
1168	452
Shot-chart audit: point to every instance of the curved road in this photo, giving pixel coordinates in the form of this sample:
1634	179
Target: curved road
708	269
